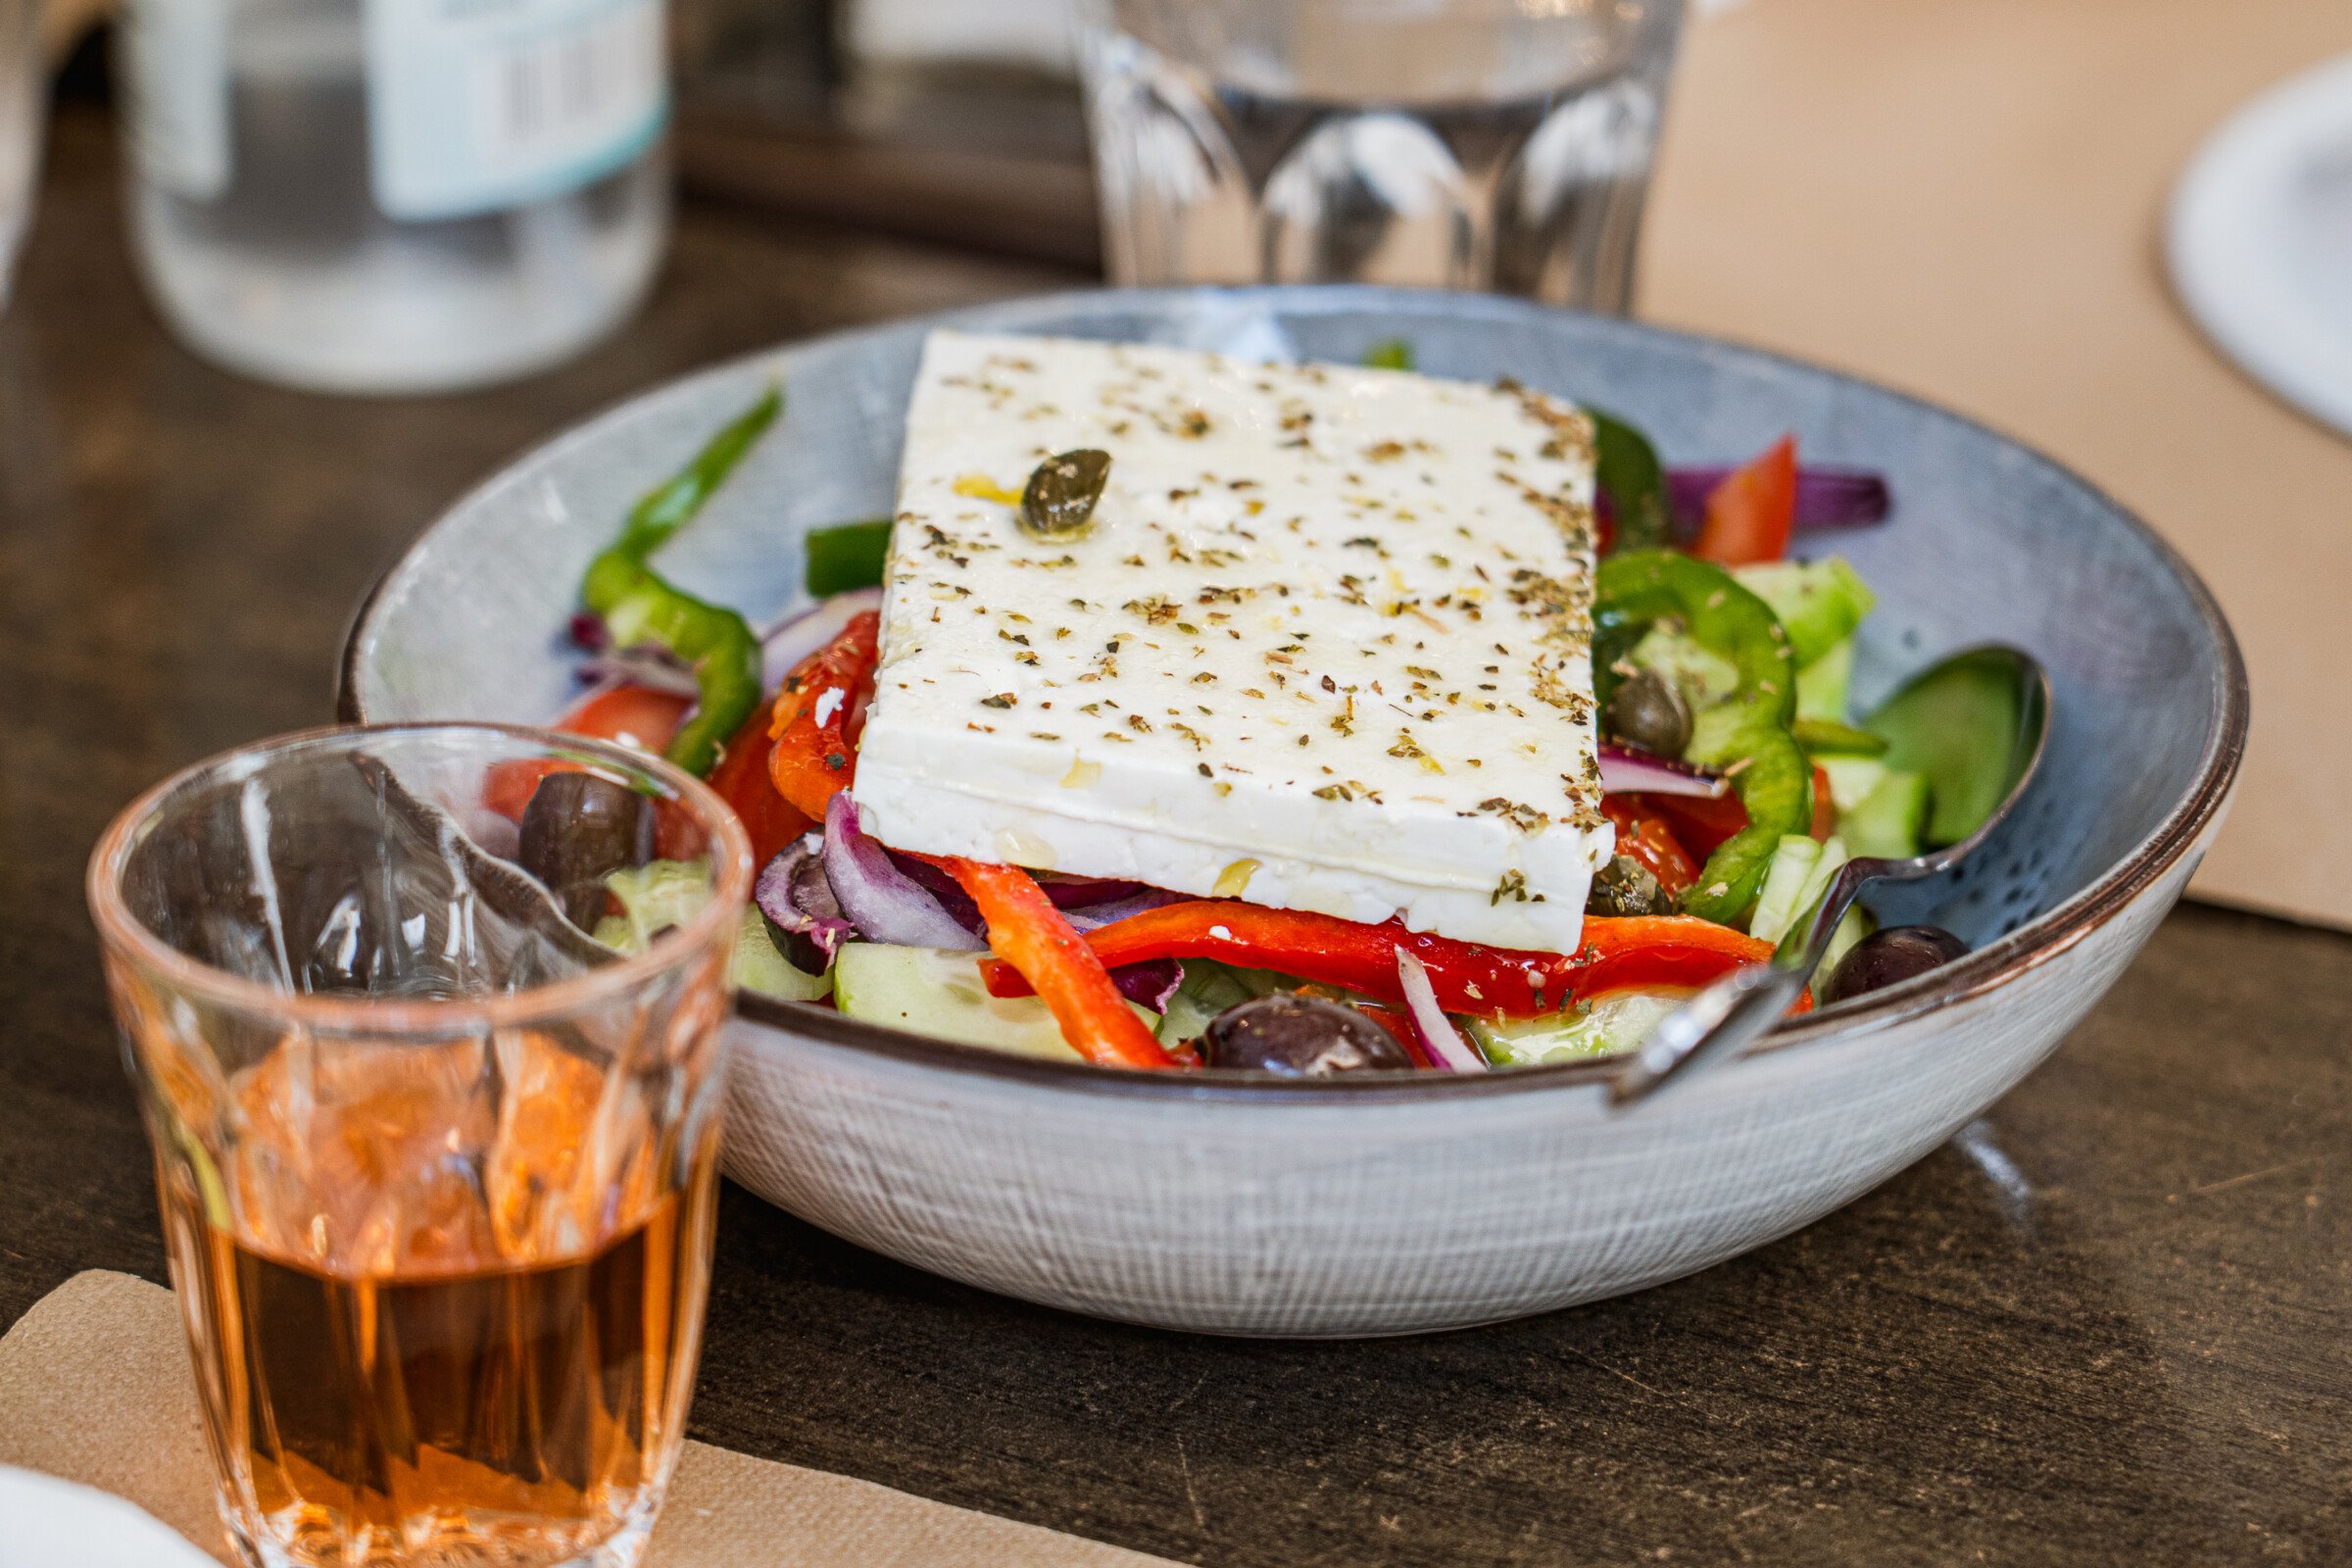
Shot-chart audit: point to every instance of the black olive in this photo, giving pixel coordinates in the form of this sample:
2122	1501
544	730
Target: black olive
1647	710
1058	501
1890	957
1298	1037
1625	886
578	830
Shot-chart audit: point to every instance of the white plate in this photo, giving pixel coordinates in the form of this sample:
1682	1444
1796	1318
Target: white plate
2260	240
60	1524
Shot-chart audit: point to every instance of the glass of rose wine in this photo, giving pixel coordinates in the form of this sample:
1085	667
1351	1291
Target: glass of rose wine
436	1165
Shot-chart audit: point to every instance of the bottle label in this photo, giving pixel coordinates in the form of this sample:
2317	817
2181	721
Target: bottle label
176	64
474	106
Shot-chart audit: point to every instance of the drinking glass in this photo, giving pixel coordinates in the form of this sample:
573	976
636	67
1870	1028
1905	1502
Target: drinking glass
436	1166
24	79
1479	144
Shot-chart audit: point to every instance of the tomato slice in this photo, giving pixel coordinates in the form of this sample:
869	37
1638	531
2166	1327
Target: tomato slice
1699	824
813	755
742	780
634	716
1645	835
1751	515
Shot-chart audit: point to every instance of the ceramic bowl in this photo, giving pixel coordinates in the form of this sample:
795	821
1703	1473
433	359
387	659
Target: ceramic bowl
1351	1207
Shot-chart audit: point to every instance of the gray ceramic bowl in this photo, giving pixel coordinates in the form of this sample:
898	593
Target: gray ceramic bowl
1221	1204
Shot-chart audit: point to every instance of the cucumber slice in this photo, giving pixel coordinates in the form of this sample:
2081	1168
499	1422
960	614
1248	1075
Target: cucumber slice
1704	678
1779	903
1857	924
665	893
1851	779
758	967
654	897
1821	685
1827	737
1208	989
1959	725
1793	899
1820	603
932	991
1603	1027
1889	820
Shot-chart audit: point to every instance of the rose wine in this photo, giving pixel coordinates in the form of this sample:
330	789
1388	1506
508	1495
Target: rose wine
454	1364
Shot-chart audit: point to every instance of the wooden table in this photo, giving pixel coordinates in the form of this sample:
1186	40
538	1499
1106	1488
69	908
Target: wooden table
2103	1325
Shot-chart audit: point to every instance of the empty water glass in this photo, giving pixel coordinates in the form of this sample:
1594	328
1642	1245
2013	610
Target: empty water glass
1482	144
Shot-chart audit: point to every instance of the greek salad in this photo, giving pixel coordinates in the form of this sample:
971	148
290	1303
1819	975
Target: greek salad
1303	718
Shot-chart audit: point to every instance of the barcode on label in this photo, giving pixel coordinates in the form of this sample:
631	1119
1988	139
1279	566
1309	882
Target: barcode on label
547	95
477	105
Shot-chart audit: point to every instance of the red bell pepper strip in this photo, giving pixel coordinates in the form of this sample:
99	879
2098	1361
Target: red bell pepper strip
1645	835
633	715
1751	515
741	781
1824	805
1617	954
1400	1028
1030	936
1700	825
815	756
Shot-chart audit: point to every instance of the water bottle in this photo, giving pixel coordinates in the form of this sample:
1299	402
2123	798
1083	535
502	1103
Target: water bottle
395	195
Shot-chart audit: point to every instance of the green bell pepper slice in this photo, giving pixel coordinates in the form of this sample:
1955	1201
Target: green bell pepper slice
640	607
847	556
1747	734
1625	469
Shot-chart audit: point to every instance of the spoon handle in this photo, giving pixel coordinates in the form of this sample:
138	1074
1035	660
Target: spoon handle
1737	1010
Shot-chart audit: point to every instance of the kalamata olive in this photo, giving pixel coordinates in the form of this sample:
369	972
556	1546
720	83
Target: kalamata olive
1890	957
1058	501
1649	710
1625	886
577	830
1298	1037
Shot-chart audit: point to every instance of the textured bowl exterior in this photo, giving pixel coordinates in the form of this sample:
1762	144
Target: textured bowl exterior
1360	1208
1269	1216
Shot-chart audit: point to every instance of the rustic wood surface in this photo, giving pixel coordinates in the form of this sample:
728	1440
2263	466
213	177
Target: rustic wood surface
2106	1324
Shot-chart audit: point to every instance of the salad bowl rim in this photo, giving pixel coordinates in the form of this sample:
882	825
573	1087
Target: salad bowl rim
1982	972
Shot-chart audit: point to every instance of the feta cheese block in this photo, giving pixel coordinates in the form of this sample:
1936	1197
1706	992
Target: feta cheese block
1325	643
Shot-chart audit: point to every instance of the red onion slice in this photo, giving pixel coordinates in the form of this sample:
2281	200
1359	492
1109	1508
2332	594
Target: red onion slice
941	886
1092	915
1626	771
1150	983
653	668
1827	495
798	636
1084	892
794	893
884	902
1438	1037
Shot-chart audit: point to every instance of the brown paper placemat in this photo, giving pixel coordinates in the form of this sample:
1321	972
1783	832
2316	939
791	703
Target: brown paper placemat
95	1386
1964	198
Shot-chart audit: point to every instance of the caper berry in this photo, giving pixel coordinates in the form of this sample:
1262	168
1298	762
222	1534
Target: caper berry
1647	710
1890	957
1298	1037
1625	886
1058	501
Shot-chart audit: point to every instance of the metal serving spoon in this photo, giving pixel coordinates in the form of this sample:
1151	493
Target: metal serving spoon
1933	726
